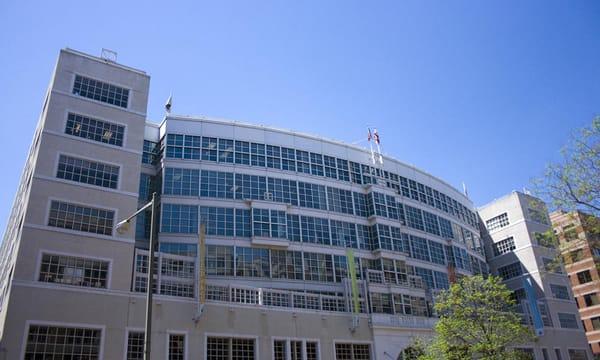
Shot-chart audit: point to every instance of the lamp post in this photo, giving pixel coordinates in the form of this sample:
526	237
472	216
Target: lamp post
121	228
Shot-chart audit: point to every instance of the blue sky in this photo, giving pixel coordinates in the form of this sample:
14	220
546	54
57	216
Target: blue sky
484	92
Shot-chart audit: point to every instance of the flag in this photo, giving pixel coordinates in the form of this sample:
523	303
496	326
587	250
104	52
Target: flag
376	136
370	136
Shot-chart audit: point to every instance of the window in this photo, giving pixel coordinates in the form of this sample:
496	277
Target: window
340	200
312	196
414	218
180	249
330	167
316	164
273	157
558	354
80	218
54	342
226	151
257	154
510	271
97	130
243	226
360	204
560	292
75	271
504	246
219	260
288	159
176	347
426	275
252	262
286	264
567	321
318	267
87	172
343	170
314	230
293	228
497	222
437	252
260	222
347	351
209	148
219	221
355	173
376	204
294	350
584	276
575	256
441	280
145	188
242	152
150	152
216	184
283	191
222	348
343	234
250	187
577	354
381	303
183	182
100	91
135	345
179	219
431	223
419	248
303	161
278	224
595	323
591	299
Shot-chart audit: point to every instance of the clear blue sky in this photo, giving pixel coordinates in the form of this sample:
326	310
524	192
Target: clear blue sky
484	92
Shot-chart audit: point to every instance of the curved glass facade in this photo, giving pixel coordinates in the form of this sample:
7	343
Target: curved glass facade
281	210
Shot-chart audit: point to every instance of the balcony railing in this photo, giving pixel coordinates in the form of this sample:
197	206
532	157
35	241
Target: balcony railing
403	321
381	277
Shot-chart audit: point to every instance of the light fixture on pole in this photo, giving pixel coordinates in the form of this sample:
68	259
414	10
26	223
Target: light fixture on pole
122	227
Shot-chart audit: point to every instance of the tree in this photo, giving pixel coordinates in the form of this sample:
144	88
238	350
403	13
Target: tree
477	321
574	182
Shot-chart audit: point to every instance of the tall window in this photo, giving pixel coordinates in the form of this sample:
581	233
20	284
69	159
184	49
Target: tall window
75	271
100	91
80	218
93	129
414	218
318	267
176	347
219	260
286	264
224	348
87	172
135	345
54	342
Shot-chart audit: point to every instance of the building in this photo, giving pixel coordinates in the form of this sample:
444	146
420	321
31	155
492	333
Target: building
511	227
579	242
280	211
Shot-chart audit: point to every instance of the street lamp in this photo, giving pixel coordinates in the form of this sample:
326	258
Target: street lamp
122	228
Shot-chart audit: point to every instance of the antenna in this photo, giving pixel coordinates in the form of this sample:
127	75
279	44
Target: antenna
108	55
